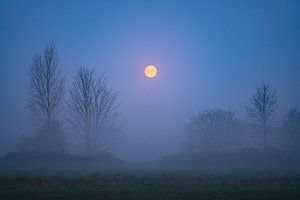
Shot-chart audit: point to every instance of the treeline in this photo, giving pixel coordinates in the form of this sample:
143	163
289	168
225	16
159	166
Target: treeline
87	111
219	130
83	117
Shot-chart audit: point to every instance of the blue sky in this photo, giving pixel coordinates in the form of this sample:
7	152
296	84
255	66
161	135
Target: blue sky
208	54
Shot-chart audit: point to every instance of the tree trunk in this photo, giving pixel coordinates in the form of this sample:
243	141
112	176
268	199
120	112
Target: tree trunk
48	119
265	135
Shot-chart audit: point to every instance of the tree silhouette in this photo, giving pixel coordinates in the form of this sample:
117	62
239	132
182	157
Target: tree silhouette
46	86
46	93
92	110
261	106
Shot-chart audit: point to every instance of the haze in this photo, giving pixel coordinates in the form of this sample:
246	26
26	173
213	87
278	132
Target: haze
208	54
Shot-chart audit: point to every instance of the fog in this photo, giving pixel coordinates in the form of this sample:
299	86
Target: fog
211	66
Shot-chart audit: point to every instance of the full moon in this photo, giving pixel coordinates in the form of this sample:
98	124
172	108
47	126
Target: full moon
150	71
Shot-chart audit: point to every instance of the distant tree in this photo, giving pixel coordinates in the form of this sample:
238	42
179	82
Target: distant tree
261	106
46	93
291	130
211	131
46	86
92	111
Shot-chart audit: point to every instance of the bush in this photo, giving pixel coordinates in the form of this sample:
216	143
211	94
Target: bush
46	139
212	131
290	131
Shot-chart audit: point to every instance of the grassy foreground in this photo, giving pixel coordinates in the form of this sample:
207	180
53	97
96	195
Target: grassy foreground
148	185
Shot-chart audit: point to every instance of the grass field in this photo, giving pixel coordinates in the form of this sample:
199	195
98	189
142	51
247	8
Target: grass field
153	185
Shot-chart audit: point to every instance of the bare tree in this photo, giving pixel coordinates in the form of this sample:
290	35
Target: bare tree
46	86
261	106
46	93
92	110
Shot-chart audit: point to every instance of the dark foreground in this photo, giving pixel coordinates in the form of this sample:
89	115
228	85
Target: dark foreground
74	185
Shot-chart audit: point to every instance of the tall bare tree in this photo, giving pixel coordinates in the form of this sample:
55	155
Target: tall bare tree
46	85
92	110
261	106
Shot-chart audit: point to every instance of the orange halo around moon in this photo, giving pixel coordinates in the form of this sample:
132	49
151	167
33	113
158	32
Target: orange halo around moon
150	71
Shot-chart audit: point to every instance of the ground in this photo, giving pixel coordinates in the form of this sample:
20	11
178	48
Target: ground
152	185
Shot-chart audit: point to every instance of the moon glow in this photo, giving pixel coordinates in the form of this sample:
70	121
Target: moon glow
150	71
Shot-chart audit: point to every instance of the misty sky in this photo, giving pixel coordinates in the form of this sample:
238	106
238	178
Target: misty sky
208	54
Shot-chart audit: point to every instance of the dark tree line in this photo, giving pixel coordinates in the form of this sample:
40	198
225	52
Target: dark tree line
218	130
91	107
91	110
